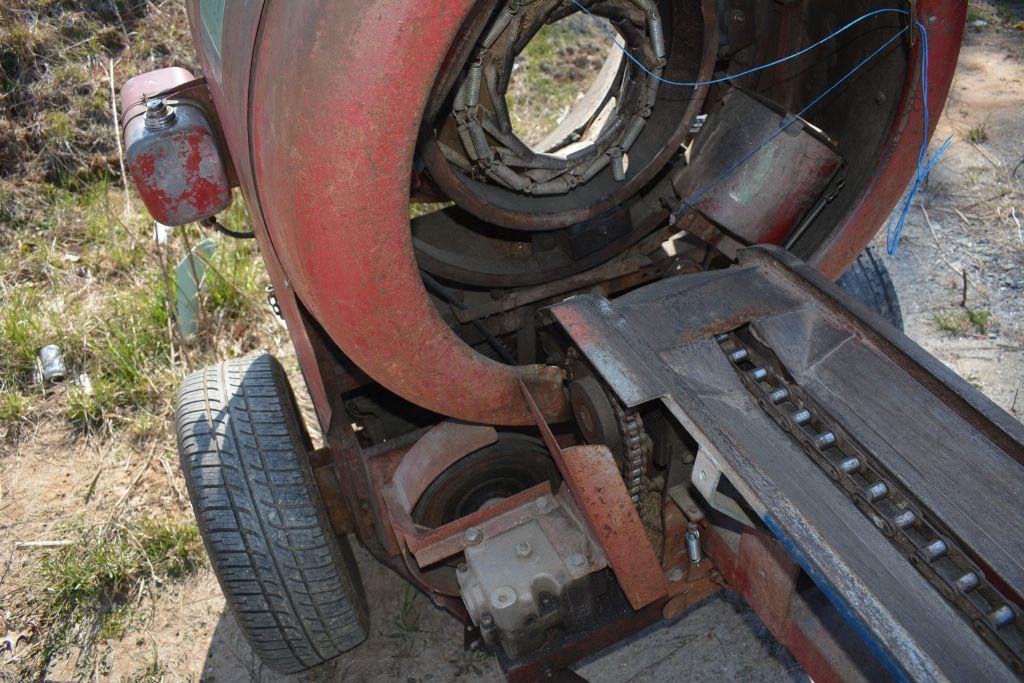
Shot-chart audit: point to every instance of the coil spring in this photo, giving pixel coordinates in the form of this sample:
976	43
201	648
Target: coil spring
657	36
500	24
473	80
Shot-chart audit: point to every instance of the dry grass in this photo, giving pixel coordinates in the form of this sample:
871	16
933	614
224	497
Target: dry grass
554	71
79	269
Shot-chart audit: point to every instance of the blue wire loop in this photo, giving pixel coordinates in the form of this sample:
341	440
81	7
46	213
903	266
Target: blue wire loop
924	166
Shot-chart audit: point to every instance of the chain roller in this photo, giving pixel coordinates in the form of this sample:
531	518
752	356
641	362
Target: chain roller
925	540
637	451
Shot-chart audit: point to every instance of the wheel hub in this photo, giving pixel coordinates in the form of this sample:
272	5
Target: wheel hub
512	464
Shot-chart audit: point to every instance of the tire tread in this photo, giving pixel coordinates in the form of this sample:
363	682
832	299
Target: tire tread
291	583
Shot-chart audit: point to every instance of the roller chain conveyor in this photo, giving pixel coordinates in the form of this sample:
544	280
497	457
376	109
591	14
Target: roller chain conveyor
894	483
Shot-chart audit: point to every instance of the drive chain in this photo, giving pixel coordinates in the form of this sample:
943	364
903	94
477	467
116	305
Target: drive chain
928	543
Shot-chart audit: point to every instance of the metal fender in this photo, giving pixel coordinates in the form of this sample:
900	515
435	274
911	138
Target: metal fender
338	91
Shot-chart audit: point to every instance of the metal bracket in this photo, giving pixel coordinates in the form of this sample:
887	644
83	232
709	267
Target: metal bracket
707	473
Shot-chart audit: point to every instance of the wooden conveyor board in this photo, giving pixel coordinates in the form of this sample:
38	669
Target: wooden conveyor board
957	454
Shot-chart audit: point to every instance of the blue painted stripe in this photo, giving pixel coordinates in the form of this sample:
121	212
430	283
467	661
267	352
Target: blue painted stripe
840	603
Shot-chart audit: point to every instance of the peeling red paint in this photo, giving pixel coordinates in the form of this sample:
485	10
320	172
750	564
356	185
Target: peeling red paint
179	171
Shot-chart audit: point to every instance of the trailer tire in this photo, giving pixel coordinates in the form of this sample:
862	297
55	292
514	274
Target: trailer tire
292	584
868	280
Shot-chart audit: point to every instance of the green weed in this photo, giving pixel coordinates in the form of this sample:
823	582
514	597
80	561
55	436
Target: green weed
965	322
92	585
124	352
234	282
13	406
152	671
404	627
977	134
24	328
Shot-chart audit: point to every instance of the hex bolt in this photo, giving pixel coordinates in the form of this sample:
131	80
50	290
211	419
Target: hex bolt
779	395
905	519
542	503
474	535
877	490
850	465
523	549
693	546
935	550
738	355
759	373
577	561
802	417
503	597
462	568
486	621
967	582
1002	616
825	440
675	575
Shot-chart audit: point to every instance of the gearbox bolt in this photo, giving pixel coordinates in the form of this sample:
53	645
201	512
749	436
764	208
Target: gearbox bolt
474	535
523	549
577	561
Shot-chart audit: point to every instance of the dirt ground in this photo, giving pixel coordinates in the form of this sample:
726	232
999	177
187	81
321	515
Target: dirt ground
968	219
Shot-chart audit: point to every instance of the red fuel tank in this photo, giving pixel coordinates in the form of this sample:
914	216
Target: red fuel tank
171	150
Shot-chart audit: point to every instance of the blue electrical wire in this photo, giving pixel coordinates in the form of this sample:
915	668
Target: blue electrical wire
924	166
769	65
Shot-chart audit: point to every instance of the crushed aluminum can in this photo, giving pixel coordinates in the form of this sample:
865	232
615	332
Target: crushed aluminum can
51	364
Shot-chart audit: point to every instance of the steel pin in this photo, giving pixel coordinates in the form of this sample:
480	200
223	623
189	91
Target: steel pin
825	440
1002	616
935	549
877	490
850	465
905	519
967	582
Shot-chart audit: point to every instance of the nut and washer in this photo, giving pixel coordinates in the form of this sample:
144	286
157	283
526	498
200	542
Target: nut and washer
474	535
577	561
